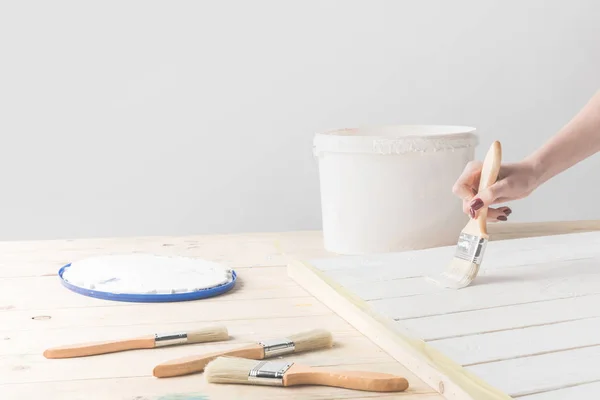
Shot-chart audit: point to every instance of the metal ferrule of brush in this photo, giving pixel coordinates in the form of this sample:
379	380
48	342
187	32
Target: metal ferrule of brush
277	347
470	248
269	372
170	339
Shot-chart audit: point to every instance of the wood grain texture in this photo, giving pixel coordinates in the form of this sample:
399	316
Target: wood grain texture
454	382
36	312
96	348
150	388
370	381
526	326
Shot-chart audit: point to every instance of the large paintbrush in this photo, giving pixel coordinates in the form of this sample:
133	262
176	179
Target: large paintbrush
285	373
303	341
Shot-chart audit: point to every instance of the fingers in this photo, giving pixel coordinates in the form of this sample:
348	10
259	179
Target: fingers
467	182
487	197
466	189
498	214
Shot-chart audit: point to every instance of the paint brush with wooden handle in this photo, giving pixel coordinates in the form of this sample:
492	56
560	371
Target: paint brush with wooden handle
284	373
303	341
208	334
474	237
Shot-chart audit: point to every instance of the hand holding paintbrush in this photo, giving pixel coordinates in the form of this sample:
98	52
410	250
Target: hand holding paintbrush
473	238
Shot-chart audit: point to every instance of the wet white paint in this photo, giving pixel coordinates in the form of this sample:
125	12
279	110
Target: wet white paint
146	274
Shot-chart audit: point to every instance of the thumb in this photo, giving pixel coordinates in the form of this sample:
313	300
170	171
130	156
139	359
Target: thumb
487	197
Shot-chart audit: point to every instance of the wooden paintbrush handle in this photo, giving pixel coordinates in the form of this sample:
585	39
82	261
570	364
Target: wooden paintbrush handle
357	380
489	175
95	348
195	364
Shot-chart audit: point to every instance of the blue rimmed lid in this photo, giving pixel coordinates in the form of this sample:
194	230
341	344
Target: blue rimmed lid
149	297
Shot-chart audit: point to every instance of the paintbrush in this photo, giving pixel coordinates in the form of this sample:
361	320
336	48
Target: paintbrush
473	238
208	334
287	373
303	341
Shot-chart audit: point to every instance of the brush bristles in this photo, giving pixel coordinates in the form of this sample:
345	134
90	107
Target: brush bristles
311	340
459	274
208	334
229	370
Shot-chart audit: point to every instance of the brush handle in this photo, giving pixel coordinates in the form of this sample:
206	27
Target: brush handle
95	348
195	364
489	175
357	380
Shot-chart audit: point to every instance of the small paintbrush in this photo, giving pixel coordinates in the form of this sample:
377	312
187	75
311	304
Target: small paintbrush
473	238
303	341
208	334
286	373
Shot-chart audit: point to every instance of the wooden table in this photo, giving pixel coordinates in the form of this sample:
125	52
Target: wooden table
36	312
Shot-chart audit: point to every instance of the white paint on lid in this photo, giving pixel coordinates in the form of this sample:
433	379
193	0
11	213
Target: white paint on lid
146	274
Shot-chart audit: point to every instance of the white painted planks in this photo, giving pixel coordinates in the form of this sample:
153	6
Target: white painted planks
537	340
580	392
543	373
529	325
504	318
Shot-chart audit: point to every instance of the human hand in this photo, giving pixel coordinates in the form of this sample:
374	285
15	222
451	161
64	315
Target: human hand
515	181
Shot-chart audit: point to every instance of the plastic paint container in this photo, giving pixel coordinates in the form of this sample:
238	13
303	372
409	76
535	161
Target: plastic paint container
386	189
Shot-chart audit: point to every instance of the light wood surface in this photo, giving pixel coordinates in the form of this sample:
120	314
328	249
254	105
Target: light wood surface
524	328
36	312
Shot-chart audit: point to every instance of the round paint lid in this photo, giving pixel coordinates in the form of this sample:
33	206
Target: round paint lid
147	278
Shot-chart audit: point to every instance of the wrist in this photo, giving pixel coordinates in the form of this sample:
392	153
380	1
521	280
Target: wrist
538	168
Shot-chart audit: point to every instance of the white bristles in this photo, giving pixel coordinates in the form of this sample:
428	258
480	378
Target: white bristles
208	334
229	370
459	275
311	340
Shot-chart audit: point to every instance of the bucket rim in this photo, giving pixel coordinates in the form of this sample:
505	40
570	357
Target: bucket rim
395	139
436	131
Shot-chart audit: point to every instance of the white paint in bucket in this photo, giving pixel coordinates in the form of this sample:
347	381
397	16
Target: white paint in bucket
390	188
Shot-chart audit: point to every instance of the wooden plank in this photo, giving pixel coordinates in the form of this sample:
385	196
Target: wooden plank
262	307
35	368
433	367
498	288
583	391
17	259
253	283
534	304
504	318
265	304
544	372
165	313
195	387
243	330
514	343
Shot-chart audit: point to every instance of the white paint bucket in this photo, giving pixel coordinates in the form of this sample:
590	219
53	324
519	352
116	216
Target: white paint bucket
390	188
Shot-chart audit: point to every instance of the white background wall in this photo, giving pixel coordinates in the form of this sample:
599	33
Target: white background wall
180	117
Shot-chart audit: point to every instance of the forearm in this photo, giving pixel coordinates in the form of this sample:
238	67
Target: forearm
577	140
